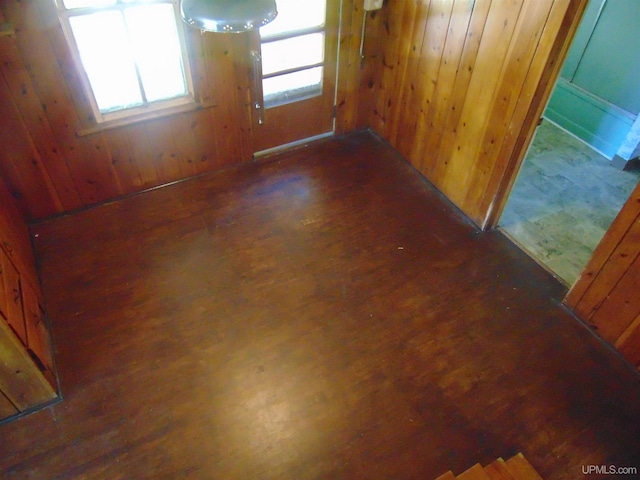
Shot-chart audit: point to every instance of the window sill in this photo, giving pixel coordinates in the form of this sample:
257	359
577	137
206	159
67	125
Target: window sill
143	117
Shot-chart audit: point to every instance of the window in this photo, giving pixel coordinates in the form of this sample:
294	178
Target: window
293	52
132	53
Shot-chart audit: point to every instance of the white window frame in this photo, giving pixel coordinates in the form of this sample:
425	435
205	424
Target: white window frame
311	92
147	108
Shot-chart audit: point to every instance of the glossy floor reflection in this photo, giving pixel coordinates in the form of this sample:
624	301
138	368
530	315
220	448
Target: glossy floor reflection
321	314
564	200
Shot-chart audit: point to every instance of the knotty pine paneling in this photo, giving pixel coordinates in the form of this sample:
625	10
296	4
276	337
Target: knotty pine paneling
455	83
605	296
14	235
50	168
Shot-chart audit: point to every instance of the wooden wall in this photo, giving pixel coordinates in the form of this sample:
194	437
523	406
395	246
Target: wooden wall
459	85
606	294
456	86
450	83
16	239
50	168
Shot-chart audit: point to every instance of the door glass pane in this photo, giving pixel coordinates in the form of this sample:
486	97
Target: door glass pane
153	34
292	87
296	15
108	63
292	53
70	4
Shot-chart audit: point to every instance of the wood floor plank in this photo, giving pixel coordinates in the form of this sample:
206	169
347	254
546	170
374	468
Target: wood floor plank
323	313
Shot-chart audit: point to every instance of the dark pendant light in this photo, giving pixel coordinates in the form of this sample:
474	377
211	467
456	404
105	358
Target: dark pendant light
228	15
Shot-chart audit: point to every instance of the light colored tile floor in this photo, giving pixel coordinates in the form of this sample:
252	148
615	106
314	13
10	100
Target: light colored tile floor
564	199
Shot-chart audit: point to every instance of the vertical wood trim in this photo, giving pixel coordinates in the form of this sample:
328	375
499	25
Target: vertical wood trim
525	120
370	65
349	71
244	145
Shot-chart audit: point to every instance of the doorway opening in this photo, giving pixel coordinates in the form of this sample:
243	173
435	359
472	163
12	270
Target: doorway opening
564	199
568	192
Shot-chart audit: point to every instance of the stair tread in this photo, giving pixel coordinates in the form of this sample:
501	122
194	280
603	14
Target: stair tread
521	469
498	470
474	473
447	476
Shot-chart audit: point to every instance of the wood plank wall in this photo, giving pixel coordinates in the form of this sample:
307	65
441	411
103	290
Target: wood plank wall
51	169
448	83
459	83
606	294
455	85
15	237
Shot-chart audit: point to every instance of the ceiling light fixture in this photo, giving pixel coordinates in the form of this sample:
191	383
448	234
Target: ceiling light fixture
232	16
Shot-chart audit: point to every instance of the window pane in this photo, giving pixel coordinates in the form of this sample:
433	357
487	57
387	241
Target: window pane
108	64
87	3
152	29
292	86
292	52
295	15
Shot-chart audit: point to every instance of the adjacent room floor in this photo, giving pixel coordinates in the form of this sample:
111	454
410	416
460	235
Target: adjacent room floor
323	313
564	199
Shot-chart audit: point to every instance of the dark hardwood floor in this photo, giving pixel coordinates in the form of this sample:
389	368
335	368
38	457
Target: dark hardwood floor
319	314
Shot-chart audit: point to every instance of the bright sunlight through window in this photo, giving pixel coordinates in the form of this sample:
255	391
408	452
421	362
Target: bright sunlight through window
293	52
131	52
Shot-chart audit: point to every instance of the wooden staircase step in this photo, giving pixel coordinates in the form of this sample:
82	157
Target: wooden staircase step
498	470
447	476
521	469
516	468
474	473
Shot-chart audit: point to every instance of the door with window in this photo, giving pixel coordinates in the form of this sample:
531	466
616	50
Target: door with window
294	73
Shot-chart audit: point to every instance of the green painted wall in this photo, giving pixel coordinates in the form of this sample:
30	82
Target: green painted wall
598	95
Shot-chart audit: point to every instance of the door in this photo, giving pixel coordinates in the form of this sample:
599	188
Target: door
294	73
